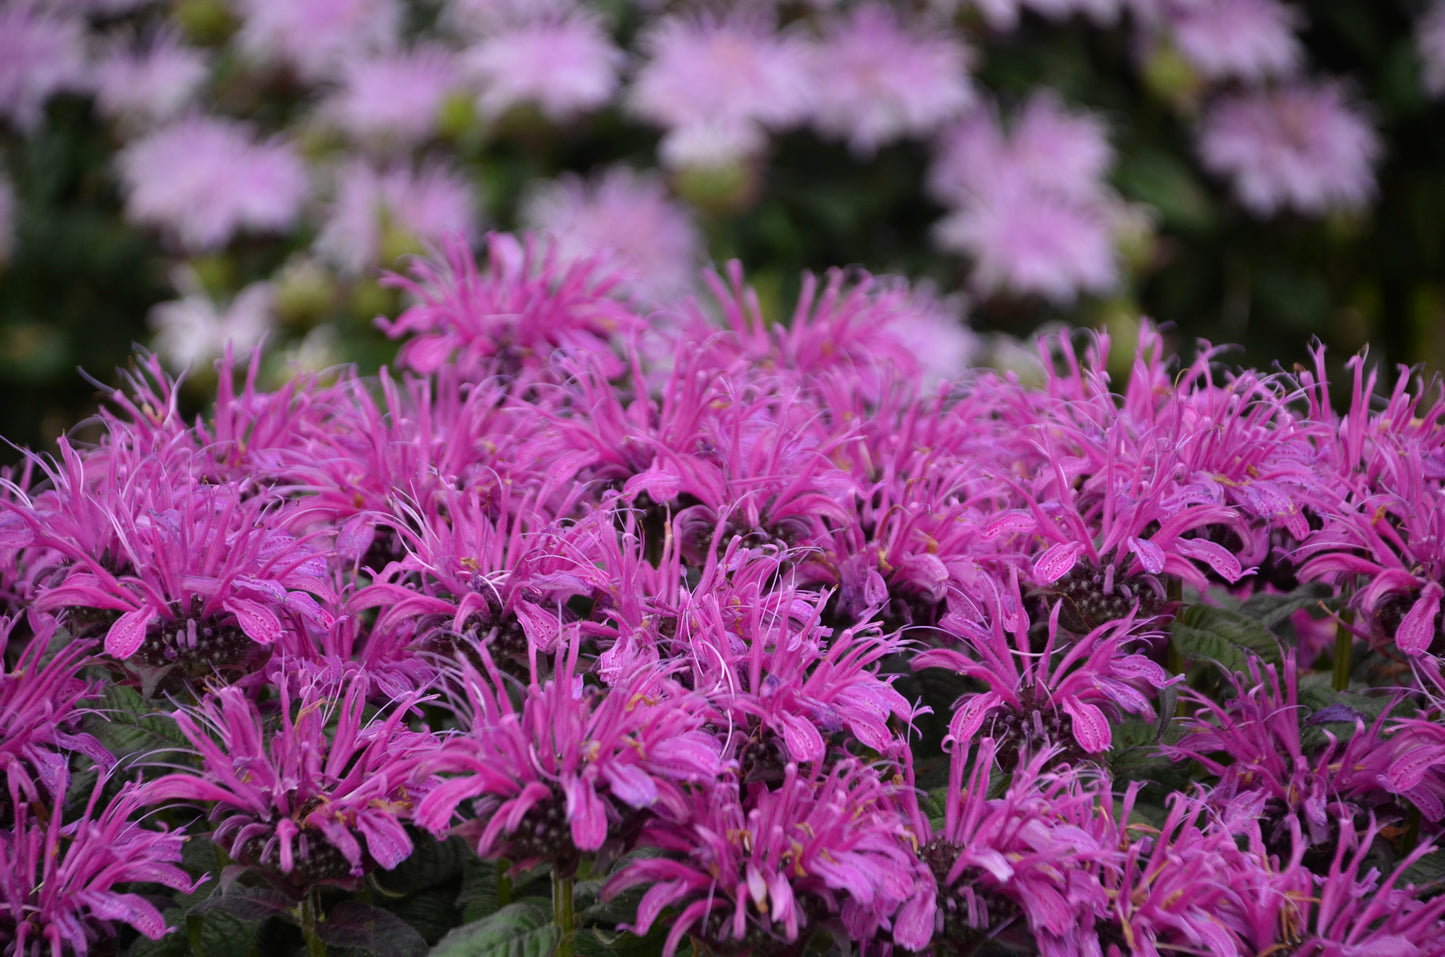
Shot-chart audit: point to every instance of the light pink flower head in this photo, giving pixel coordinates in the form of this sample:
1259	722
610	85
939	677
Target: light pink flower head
563	66
481	18
41	53
1004	14
877	80
1048	146
426	205
629	221
204	179
1249	40
1032	241
195	329
1430	43
734	78
150	82
1304	147
393	99
316	37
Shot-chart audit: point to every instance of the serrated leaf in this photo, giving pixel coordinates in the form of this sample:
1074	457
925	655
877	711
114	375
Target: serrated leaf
523	929
1428	871
247	903
131	729
430	863
219	934
1227	638
370	930
173	944
1272	610
432	912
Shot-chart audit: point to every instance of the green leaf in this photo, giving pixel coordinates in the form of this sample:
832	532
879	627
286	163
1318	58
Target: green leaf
523	929
430	863
1273	610
432	912
131	729
370	930
247	903
1227	638
1165	182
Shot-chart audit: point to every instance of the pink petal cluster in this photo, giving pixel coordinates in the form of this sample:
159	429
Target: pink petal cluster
202	180
380	213
150	83
317	38
563	67
393	99
1247	40
42	52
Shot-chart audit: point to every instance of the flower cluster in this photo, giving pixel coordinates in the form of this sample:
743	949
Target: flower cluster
775	633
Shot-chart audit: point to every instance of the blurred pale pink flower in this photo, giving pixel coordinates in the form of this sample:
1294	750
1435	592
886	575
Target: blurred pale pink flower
195	329
1032	241
732	79
393	99
563	66
150	82
1430	44
480	18
378	214
203	179
1048	146
1304	147
876	80
41	53
317	38
1004	14
1249	40
629	221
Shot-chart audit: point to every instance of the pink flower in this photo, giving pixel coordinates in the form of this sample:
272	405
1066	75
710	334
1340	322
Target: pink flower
194	329
719	83
202	179
378	215
149	83
393	99
1249	40
1033	242
628	221
41	53
563	67
1430	44
316	38
1304	147
875	80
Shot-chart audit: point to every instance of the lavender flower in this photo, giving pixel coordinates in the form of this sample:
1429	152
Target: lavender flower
1304	147
876	80
628	220
379	214
718	85
145	83
316	795
42	52
202	180
562	67
393	100
1248	40
63	883
195	330
316	38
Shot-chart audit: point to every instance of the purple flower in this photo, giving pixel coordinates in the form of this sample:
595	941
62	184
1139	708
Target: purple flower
151	82
1304	147
201	180
195	329
316	38
315	792
1430	44
1248	40
876	80
751	863
379	214
42	52
629	221
63	884
571	765
562	67
393	100
718	85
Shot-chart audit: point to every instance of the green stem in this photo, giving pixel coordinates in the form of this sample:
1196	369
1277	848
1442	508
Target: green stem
1344	650
315	947
565	914
504	883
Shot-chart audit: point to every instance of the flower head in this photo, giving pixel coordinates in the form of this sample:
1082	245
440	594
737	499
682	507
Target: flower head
148	83
316	38
1249	40
877	81
42	52
563	67
203	179
194	329
394	99
381	213
1303	147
